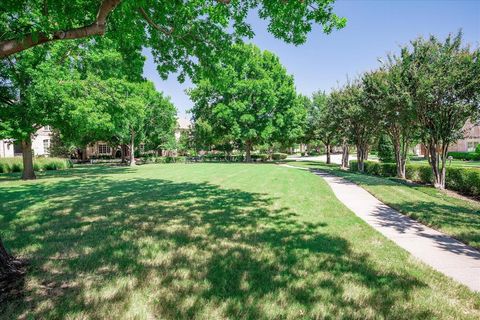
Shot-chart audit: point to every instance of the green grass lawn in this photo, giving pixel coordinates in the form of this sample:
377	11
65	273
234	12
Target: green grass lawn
452	163
455	216
209	241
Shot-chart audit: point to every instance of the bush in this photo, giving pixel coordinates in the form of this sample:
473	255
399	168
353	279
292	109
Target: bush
477	149
8	165
385	149
279	156
465	156
463	180
260	156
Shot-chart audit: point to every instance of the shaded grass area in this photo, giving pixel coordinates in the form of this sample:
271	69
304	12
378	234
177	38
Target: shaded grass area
457	217
209	241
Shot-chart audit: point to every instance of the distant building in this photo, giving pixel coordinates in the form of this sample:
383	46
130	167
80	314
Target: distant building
183	125
41	142
471	138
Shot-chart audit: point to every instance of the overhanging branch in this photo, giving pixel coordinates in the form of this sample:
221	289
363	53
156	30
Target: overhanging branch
9	47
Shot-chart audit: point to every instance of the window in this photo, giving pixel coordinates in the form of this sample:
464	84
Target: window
103	149
142	148
47	128
46	146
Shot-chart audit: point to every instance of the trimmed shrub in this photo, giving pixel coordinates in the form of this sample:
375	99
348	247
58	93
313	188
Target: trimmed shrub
8	165
279	156
260	157
465	156
463	180
386	152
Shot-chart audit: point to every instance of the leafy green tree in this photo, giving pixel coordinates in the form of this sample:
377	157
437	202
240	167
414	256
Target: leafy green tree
250	100
361	116
180	33
321	125
444	83
387	88
385	149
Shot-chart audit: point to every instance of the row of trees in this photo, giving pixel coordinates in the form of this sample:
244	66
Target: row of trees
246	100
86	91
424	94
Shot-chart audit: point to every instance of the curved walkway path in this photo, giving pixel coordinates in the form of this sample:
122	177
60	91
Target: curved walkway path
440	251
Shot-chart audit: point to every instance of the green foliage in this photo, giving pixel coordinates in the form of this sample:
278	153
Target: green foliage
179	33
9	165
477	149
250	100
279	156
463	180
465	155
262	157
385	149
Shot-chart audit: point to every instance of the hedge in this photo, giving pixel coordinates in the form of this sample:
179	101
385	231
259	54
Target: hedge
9	165
465	156
463	180
144	160
279	156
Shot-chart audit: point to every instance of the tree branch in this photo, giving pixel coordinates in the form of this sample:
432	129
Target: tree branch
9	47
153	24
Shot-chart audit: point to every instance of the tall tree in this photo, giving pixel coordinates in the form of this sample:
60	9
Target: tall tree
321	122
444	84
251	99
387	89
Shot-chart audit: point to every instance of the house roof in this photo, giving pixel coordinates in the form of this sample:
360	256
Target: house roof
183	123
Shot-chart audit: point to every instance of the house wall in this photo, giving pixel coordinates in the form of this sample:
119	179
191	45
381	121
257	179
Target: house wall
471	138
6	148
40	144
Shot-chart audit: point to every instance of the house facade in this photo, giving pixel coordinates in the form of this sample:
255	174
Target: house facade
470	140
41	142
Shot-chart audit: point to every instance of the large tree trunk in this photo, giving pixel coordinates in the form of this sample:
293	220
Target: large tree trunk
123	148
11	271
27	157
132	148
328	149
248	149
344	154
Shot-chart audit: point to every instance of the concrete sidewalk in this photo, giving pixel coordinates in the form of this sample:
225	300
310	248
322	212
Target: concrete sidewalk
438	250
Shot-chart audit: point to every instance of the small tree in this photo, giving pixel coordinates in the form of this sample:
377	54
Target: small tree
385	148
444	83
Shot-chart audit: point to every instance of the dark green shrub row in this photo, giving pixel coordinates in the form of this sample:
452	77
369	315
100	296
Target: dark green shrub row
463	180
279	156
465	156
260	157
8	165
144	160
222	157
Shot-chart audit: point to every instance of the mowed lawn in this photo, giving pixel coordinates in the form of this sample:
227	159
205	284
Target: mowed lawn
209	241
458	217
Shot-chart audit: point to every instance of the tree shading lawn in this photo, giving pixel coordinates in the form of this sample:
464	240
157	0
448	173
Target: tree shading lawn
457	217
208	241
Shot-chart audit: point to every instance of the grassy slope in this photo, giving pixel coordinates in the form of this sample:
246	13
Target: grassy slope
209	241
454	216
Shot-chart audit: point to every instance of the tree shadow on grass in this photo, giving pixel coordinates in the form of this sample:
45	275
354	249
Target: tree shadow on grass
100	247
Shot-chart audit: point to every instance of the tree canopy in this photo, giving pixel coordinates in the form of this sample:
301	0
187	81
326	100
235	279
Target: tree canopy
180	33
250	100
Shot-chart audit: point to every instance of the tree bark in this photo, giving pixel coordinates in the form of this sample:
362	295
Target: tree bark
123	148
132	148
400	158
248	147
361	155
344	154
9	47
27	157
328	149
438	163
